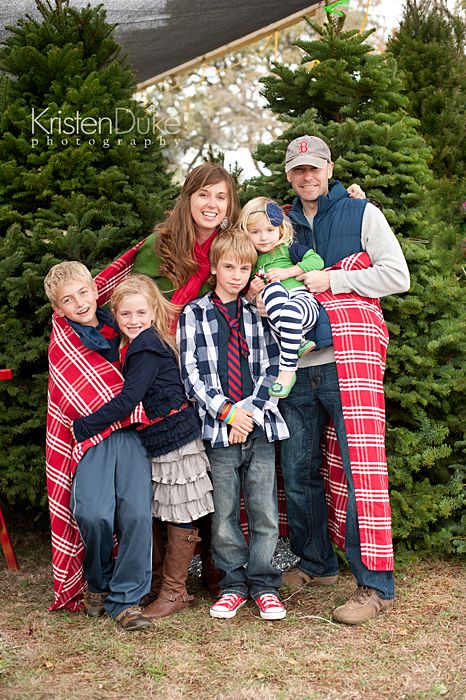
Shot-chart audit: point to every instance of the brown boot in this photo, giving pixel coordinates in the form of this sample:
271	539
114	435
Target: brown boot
158	554
173	596
210	575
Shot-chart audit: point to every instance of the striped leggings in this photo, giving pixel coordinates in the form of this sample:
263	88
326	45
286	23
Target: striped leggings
291	312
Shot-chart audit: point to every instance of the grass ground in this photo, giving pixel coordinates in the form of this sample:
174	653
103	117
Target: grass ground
416	651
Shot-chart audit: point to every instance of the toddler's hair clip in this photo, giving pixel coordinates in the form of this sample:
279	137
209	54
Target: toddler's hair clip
273	212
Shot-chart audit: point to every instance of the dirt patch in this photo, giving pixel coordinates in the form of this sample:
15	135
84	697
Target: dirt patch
415	651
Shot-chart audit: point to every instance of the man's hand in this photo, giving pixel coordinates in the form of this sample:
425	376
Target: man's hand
256	286
355	192
236	437
316	281
242	421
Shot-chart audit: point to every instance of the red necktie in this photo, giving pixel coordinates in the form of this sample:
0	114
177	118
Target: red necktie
237	346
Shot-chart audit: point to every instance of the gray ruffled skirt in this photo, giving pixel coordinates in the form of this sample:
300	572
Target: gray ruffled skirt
181	486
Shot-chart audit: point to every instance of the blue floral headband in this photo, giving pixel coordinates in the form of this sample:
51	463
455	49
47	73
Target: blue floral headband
273	212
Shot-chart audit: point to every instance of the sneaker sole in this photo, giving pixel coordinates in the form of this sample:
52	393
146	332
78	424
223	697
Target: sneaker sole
226	614
135	628
303	353
279	615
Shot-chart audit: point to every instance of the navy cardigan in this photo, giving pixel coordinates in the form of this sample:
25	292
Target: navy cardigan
152	376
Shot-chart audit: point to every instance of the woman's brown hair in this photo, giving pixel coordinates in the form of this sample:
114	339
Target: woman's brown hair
176	236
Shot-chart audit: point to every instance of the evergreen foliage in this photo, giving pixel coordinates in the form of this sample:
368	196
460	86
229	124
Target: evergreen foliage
80	191
429	47
353	99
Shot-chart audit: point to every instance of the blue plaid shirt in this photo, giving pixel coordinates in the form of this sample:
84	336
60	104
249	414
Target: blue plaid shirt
197	338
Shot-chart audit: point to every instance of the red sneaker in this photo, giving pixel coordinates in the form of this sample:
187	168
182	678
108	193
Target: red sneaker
271	607
227	606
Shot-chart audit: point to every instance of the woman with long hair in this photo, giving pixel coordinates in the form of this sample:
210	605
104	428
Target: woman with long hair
176	257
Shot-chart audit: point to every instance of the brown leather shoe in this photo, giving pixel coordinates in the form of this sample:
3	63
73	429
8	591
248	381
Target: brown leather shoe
94	604
168	604
132	619
364	604
295	578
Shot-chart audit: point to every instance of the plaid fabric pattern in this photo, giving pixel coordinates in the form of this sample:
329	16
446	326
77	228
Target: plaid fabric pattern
116	272
360	339
198	342
80	381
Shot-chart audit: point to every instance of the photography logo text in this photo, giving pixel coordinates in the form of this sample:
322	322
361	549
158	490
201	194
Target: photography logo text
123	127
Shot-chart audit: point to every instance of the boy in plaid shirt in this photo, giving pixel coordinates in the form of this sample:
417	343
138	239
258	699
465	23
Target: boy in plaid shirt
228	362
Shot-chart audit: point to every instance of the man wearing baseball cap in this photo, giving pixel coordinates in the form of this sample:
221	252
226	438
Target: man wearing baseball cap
337	381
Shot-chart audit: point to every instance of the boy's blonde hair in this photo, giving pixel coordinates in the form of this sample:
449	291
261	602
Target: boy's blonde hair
234	243
64	273
165	313
254	209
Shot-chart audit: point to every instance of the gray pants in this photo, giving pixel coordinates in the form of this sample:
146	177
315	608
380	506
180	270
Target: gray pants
111	493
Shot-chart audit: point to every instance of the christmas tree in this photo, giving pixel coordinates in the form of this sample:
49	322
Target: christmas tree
429	48
82	178
353	99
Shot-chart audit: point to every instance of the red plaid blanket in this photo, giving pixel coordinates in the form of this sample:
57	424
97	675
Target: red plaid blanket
80	381
360	339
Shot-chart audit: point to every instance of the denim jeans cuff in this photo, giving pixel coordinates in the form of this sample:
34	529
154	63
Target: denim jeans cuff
314	574
237	591
268	591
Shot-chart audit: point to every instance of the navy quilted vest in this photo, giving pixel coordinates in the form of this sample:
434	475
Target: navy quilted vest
336	234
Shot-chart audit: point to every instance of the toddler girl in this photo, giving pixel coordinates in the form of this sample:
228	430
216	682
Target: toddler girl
182	490
291	309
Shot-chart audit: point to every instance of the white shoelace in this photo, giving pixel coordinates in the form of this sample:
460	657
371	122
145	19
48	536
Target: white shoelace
270	601
228	600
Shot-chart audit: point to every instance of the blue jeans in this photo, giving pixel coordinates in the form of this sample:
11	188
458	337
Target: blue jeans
112	492
315	396
248	467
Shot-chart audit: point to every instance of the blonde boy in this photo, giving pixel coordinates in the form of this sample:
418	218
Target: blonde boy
228	362
102	484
